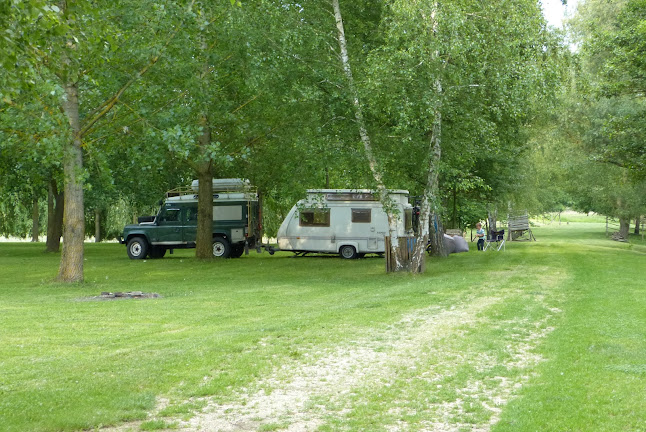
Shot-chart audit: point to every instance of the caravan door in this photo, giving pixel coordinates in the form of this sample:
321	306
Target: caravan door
380	225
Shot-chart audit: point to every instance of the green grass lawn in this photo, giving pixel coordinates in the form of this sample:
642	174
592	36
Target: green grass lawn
544	336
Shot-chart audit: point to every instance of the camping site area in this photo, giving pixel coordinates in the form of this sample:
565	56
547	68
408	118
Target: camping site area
544	336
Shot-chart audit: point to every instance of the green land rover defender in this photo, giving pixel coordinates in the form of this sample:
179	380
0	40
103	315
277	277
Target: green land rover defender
236	222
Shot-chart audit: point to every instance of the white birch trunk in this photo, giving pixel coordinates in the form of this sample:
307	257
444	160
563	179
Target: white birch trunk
429	199
365	138
431	190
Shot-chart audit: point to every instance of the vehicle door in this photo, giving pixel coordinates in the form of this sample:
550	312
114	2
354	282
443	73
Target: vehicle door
189	216
170	226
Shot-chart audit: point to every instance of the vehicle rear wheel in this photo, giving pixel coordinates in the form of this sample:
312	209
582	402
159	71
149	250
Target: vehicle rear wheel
157	252
348	252
221	247
137	248
237	251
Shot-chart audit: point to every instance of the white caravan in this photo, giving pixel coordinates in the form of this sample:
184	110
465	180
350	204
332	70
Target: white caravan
349	222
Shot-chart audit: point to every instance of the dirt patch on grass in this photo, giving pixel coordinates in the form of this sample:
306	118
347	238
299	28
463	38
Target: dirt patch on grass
109	296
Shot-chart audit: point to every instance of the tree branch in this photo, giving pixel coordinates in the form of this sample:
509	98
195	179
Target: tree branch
111	102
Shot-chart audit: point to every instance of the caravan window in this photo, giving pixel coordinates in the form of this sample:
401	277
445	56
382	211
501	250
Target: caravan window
361	215
315	217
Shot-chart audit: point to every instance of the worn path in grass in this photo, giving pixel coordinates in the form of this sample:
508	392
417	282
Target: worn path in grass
423	372
305	395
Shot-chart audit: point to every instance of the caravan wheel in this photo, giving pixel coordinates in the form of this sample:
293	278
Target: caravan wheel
348	252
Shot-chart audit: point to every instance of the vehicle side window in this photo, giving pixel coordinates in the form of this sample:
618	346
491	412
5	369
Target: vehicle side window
315	217
191	214
170	215
227	212
361	215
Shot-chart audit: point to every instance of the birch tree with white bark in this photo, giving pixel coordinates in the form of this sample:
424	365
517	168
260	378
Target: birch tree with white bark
463	69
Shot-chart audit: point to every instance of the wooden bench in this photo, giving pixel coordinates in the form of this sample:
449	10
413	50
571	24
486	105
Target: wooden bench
517	226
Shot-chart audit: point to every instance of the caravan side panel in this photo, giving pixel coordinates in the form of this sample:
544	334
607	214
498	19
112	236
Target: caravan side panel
308	230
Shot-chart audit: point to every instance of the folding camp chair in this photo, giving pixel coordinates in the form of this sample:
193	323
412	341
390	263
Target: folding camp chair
497	237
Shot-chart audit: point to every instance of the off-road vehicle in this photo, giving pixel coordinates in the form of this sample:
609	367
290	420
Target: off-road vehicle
236	222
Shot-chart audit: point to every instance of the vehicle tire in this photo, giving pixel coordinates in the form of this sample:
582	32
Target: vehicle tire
221	247
137	248
237	251
348	252
157	252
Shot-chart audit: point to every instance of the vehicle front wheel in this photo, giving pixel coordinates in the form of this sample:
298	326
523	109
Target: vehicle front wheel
348	252
137	248
221	248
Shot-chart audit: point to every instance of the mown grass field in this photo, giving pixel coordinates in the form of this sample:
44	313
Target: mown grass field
545	336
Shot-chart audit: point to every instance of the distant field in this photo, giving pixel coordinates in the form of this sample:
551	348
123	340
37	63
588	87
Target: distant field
572	216
545	336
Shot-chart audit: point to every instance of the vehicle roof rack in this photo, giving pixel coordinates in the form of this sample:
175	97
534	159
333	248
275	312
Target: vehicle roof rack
228	185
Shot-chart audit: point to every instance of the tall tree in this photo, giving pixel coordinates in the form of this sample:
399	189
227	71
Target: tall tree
203	122
461	70
607	94
375	169
87	51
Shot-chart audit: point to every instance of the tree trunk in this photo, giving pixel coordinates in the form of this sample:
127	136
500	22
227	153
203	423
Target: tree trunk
624	227
430	208
71	267
59	213
51	246
637	223
430	221
455	207
438	248
55	205
365	138
35	215
492	219
98	238
204	240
